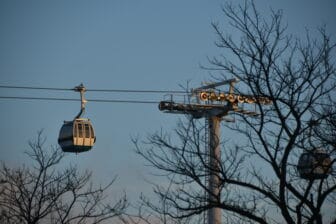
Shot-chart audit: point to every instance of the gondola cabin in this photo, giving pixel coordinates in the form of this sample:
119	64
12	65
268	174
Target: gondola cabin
77	135
314	164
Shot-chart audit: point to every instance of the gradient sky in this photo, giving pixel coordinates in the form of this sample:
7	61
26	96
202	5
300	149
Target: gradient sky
116	44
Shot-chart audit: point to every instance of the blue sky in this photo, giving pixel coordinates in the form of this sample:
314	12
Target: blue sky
117	44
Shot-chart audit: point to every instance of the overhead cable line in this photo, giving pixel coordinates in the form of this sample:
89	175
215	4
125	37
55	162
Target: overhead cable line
72	99
36	98
36	88
97	100
135	91
93	90
96	90
94	100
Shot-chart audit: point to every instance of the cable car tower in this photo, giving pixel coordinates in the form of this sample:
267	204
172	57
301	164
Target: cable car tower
214	106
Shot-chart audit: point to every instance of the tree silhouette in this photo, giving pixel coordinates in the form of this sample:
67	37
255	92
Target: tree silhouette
48	193
259	182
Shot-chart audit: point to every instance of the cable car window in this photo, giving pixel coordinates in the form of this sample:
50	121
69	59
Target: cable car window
87	131
80	130
91	130
76	130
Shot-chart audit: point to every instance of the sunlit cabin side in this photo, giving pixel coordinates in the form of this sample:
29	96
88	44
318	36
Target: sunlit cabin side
76	136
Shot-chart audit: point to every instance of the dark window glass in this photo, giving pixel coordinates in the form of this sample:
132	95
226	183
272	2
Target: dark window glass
87	131
75	130
92	133
80	130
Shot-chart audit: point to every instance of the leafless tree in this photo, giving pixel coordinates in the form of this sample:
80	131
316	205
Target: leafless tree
259	182
48	193
145	214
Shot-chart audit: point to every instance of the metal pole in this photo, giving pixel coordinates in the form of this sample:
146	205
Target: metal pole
214	214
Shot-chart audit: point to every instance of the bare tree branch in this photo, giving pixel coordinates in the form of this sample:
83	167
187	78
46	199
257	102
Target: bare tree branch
46	193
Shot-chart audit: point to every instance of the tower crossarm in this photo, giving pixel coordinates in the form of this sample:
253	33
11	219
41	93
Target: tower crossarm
196	110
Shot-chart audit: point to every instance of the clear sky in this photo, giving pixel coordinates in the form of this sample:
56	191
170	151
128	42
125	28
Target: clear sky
116	44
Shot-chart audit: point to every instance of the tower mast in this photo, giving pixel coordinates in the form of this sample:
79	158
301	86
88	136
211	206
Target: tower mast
218	106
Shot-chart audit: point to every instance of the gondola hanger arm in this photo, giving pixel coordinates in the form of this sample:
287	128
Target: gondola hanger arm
81	89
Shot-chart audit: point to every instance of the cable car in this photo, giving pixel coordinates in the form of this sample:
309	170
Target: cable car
77	135
315	164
